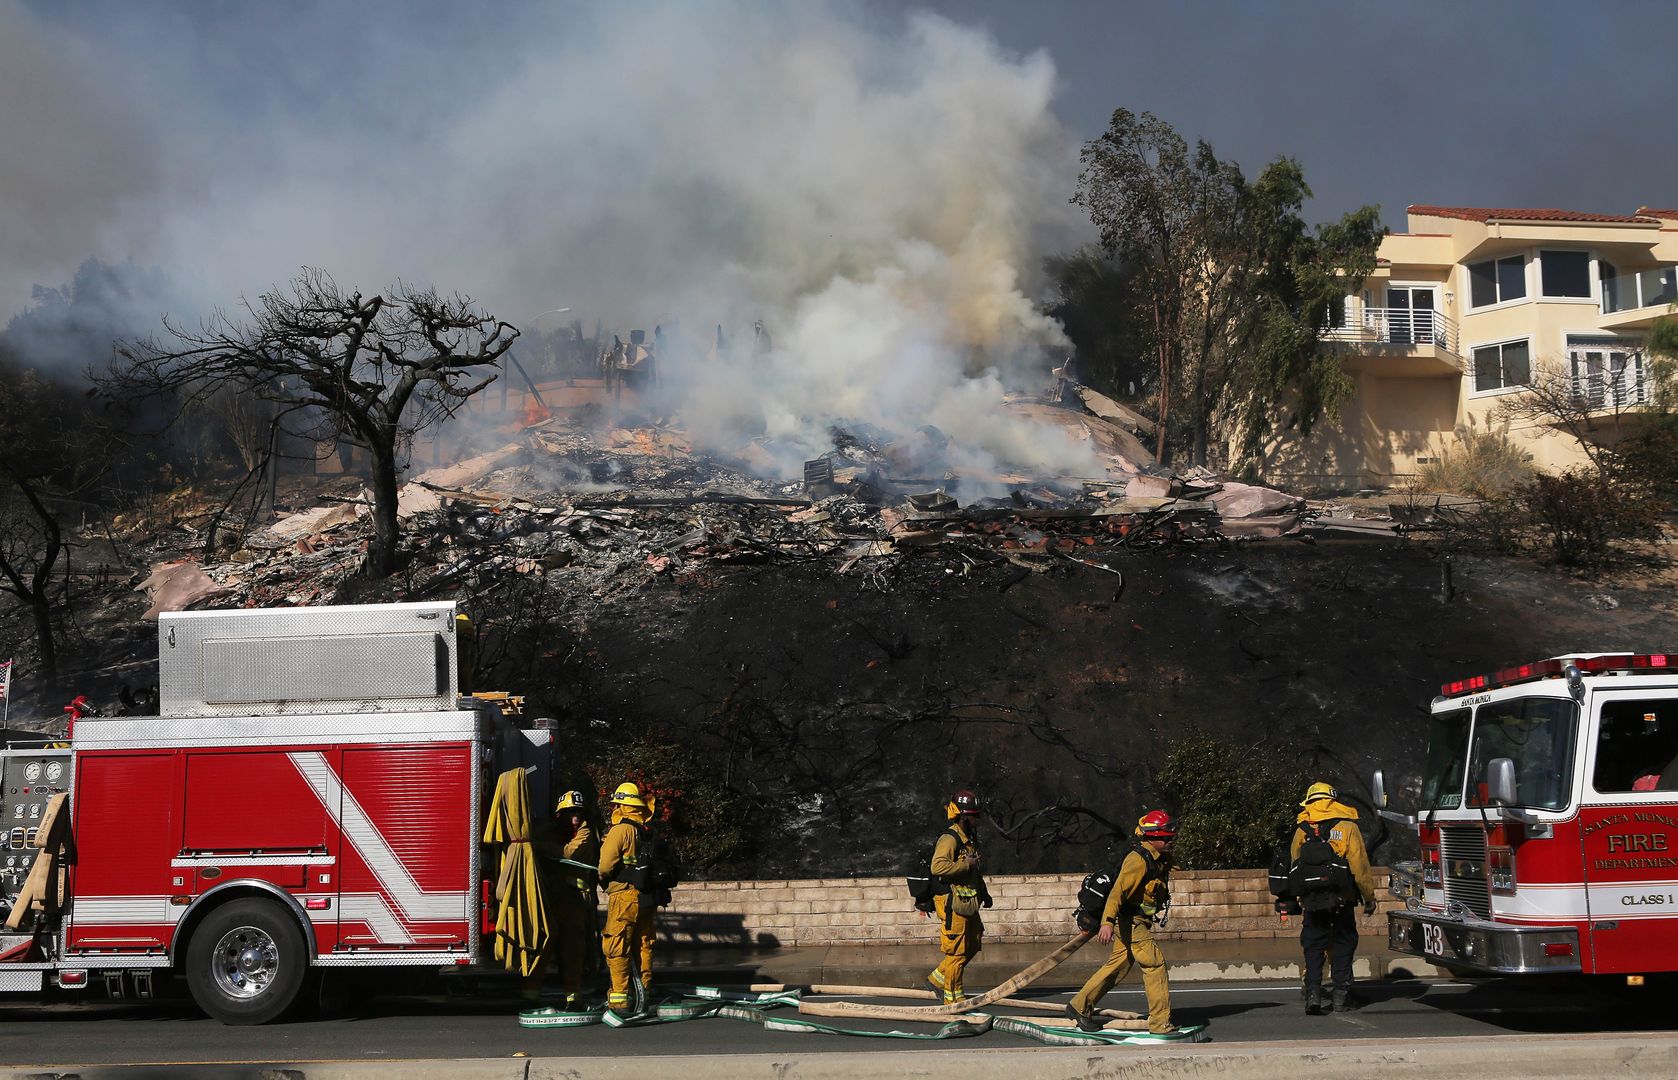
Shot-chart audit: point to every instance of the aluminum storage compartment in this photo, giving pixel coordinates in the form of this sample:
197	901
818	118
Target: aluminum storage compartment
274	661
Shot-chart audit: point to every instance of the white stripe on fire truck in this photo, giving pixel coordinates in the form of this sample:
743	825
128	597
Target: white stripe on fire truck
189	861
363	835
371	909
124	911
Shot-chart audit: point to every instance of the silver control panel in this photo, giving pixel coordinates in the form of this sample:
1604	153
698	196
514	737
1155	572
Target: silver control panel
28	778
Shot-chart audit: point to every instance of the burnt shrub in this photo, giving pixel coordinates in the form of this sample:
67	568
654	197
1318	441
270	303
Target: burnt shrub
1579	513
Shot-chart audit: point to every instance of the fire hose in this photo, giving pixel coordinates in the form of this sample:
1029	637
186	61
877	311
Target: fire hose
957	1020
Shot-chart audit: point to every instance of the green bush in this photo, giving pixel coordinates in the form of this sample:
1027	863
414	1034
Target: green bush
703	818
1484	464
1230	802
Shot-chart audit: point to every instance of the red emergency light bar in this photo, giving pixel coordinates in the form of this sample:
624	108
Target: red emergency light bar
1622	663
1545	669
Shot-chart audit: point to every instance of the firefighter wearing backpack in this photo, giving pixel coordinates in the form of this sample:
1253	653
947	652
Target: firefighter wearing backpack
629	914
1139	897
1327	838
955	866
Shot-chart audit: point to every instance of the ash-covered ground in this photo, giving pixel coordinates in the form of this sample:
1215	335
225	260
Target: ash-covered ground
837	669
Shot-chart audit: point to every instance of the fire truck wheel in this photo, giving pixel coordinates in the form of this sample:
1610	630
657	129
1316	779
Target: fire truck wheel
246	962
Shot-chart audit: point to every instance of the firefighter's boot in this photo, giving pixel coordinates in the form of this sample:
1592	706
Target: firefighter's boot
1347	999
1315	1003
1085	1021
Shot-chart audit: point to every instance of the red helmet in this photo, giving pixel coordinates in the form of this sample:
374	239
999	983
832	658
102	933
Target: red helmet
965	802
1156	825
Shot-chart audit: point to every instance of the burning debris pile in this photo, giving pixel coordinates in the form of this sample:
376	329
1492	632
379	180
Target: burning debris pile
608	506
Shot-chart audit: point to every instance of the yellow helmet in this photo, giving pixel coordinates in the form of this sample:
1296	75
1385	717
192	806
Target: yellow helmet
628	794
571	800
1319	790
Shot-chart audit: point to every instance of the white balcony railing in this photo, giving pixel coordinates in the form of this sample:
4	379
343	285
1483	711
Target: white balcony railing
1397	326
1611	389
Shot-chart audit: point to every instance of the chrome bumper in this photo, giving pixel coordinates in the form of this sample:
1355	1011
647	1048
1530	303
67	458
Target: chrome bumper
1469	944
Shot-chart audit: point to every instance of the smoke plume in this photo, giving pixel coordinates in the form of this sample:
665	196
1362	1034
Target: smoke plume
869	185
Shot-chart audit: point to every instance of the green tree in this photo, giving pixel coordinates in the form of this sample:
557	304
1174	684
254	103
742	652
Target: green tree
1230	802
1231	288
1093	302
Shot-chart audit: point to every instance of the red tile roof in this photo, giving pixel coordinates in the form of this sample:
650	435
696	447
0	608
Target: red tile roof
1475	213
1644	210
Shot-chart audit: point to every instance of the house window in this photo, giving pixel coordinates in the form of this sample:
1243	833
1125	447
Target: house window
1606	372
1503	365
1497	280
1565	274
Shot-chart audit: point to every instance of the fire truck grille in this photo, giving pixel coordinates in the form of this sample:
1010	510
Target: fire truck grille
1463	851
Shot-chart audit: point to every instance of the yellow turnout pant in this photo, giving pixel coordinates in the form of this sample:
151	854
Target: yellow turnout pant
628	935
960	937
1133	944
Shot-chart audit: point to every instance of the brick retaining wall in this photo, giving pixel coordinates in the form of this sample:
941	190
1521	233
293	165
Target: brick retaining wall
863	911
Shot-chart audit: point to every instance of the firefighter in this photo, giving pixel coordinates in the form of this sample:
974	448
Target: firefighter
955	863
1140	896
567	853
1334	925
628	936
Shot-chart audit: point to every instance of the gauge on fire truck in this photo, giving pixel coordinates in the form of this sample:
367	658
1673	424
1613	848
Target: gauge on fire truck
32	771
55	769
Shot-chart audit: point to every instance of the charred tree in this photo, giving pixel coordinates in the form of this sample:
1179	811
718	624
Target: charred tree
52	449
371	371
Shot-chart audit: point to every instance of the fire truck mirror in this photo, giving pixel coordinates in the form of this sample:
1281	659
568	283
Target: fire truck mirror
1500	782
1378	791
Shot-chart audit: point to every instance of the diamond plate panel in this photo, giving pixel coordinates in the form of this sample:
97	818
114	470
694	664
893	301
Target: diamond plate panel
278	661
20	980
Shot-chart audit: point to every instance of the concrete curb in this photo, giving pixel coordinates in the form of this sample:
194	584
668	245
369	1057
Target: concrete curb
1500	1057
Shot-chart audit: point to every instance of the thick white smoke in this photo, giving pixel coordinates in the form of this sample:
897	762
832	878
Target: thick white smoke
865	184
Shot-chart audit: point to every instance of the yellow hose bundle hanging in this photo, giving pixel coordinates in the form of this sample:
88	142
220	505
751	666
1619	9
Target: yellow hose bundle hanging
521	919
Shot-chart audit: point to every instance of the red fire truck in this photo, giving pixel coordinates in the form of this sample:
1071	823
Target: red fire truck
310	796
1548	821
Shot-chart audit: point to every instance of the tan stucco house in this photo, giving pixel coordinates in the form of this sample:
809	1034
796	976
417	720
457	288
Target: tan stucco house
1468	306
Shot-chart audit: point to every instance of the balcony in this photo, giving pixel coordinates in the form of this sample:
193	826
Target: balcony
1635	300
1399	341
1604	390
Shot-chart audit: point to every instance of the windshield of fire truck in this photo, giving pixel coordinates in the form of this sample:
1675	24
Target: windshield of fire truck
1538	735
1447	757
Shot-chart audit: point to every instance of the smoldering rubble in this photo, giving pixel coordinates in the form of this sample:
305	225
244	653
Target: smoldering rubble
606	506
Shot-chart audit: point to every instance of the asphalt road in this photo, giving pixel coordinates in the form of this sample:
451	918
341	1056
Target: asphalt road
395	1029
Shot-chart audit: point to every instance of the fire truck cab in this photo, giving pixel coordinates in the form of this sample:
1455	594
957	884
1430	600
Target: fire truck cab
1548	821
311	795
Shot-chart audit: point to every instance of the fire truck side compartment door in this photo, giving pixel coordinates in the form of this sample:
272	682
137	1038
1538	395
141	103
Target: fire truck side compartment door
127	829
250	802
405	864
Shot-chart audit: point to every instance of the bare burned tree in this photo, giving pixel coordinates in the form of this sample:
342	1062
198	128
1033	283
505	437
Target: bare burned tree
369	370
51	449
1591	412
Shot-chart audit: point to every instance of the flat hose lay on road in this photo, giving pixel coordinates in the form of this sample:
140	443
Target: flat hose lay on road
957	1020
